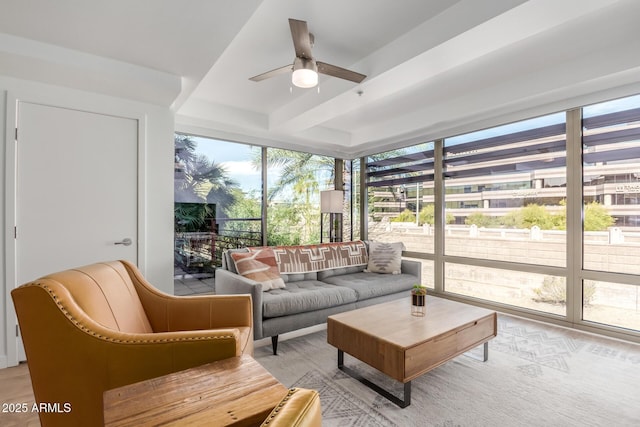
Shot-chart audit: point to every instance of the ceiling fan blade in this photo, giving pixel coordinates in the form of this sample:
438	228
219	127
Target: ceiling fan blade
272	73
342	73
301	39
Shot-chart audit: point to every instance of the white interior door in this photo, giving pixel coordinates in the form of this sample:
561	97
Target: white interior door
76	189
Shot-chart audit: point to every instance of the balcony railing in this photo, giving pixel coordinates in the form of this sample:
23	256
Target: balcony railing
201	252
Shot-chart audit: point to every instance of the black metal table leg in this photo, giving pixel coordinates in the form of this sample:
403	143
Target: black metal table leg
403	403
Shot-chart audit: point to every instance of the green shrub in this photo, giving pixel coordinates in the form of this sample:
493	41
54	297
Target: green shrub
405	216
427	215
554	291
482	220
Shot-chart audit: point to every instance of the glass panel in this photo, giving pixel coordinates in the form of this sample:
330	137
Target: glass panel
294	183
612	304
355	200
611	185
400	197
347	178
217	196
505	191
427	271
539	292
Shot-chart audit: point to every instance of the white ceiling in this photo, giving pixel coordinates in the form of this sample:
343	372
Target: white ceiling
434	68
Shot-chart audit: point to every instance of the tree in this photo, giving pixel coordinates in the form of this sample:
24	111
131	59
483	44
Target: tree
298	170
405	216
427	215
284	226
596	217
202	188
529	216
293	212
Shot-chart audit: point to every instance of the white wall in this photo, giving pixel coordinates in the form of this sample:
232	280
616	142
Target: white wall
157	176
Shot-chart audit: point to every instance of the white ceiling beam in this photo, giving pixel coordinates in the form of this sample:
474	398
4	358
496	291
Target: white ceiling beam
32	60
478	35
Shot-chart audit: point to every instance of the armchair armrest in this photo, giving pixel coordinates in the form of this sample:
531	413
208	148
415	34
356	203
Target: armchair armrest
175	313
299	408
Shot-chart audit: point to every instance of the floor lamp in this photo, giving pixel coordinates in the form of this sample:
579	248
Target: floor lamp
331	205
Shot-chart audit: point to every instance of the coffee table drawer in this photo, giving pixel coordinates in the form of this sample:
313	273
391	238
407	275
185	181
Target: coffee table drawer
427	355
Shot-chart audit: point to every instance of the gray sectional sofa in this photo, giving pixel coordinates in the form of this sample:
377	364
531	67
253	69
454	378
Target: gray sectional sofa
314	289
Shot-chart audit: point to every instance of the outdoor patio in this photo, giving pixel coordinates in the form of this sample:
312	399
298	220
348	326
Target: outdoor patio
192	284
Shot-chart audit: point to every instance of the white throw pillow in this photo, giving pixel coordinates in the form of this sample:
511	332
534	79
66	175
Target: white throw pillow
385	257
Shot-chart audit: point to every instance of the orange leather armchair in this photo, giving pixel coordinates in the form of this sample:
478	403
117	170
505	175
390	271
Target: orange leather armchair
299	408
101	326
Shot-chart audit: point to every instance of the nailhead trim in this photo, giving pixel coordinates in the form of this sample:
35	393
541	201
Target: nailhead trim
115	340
280	405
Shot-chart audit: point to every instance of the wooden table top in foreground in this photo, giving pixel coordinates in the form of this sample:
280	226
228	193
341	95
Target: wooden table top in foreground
387	337
236	391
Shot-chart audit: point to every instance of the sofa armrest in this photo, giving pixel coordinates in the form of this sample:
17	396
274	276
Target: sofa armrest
412	267
228	283
299	408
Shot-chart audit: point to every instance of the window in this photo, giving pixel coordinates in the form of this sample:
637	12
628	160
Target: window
541	292
505	191
400	197
217	201
611	225
611	185
294	182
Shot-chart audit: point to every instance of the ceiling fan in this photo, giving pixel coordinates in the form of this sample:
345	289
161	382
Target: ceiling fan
305	68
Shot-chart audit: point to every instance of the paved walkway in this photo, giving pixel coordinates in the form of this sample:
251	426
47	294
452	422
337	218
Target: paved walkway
193	284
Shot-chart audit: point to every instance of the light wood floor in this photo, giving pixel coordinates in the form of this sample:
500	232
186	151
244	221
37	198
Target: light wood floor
15	387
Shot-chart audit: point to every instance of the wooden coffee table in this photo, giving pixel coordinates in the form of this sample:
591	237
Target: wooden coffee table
236	391
387	337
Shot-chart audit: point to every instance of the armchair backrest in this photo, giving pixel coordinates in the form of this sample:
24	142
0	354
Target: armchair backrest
107	295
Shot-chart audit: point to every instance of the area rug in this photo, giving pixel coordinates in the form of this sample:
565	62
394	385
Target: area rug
537	375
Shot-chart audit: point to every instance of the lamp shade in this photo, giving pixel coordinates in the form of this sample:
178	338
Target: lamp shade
304	78
305	73
331	201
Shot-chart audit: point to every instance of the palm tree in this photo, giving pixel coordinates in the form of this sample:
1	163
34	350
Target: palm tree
202	188
295	216
299	170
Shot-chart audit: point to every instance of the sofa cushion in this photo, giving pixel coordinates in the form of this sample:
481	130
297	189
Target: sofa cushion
371	285
385	257
303	296
339	271
259	265
296	277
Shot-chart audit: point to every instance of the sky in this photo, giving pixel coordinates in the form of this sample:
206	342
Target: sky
236	160
236	157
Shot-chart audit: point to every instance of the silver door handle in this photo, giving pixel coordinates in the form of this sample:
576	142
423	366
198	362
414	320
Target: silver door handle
126	242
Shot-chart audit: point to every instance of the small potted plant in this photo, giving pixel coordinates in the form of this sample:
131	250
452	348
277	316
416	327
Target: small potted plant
418	300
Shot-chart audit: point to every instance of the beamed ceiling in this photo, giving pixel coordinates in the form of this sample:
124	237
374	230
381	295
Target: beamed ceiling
434	68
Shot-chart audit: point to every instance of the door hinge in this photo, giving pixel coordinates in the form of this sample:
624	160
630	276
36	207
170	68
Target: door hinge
15	232
17	331
16	134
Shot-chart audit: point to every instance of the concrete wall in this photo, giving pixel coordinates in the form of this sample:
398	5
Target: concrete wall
522	246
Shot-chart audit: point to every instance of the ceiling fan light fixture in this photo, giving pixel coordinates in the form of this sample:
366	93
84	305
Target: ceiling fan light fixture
305	73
